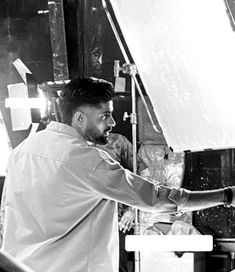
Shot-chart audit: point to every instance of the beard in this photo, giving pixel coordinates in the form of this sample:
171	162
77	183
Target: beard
94	135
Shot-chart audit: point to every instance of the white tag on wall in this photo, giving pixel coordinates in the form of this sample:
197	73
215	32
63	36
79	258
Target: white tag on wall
21	117
120	84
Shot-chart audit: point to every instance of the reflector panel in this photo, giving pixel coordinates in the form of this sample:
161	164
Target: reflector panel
185	54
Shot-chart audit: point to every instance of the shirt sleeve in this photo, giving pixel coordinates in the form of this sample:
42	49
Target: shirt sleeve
114	182
180	197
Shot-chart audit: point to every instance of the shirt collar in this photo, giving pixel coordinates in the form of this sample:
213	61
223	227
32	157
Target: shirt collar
64	128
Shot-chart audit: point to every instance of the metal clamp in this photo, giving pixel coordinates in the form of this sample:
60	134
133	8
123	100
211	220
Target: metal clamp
132	116
126	68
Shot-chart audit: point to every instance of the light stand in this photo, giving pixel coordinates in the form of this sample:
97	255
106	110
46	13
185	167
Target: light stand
130	69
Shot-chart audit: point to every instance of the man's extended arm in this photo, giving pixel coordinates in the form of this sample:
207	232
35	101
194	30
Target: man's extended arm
125	187
188	201
207	199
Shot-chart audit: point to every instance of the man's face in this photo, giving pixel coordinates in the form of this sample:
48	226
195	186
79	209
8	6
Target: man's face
99	122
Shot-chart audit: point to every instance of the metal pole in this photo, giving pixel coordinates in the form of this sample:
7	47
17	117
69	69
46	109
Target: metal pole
134	143
134	125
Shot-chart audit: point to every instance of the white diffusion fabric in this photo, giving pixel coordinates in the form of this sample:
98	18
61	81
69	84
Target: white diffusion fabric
185	54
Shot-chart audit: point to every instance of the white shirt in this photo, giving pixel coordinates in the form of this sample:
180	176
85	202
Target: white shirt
59	206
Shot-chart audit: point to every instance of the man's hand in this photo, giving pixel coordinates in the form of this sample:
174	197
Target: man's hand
127	221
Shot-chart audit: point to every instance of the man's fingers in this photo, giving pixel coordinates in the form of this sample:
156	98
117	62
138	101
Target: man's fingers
124	226
126	221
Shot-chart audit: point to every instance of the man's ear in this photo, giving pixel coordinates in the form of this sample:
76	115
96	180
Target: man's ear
78	118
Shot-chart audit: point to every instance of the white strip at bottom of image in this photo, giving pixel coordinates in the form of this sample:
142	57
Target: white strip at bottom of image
186	243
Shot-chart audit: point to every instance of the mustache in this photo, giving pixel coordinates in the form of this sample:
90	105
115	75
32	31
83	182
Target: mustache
108	129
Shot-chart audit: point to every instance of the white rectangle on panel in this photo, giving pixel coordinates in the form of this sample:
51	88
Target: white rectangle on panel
183	243
20	118
184	53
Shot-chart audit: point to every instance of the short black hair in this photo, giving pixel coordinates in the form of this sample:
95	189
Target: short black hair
83	91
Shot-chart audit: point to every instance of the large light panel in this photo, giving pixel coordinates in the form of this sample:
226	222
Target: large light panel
185	54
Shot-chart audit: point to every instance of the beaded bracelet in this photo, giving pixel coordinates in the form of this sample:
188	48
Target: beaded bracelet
228	197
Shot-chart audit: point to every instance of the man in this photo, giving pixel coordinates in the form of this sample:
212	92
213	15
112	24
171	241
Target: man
60	198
